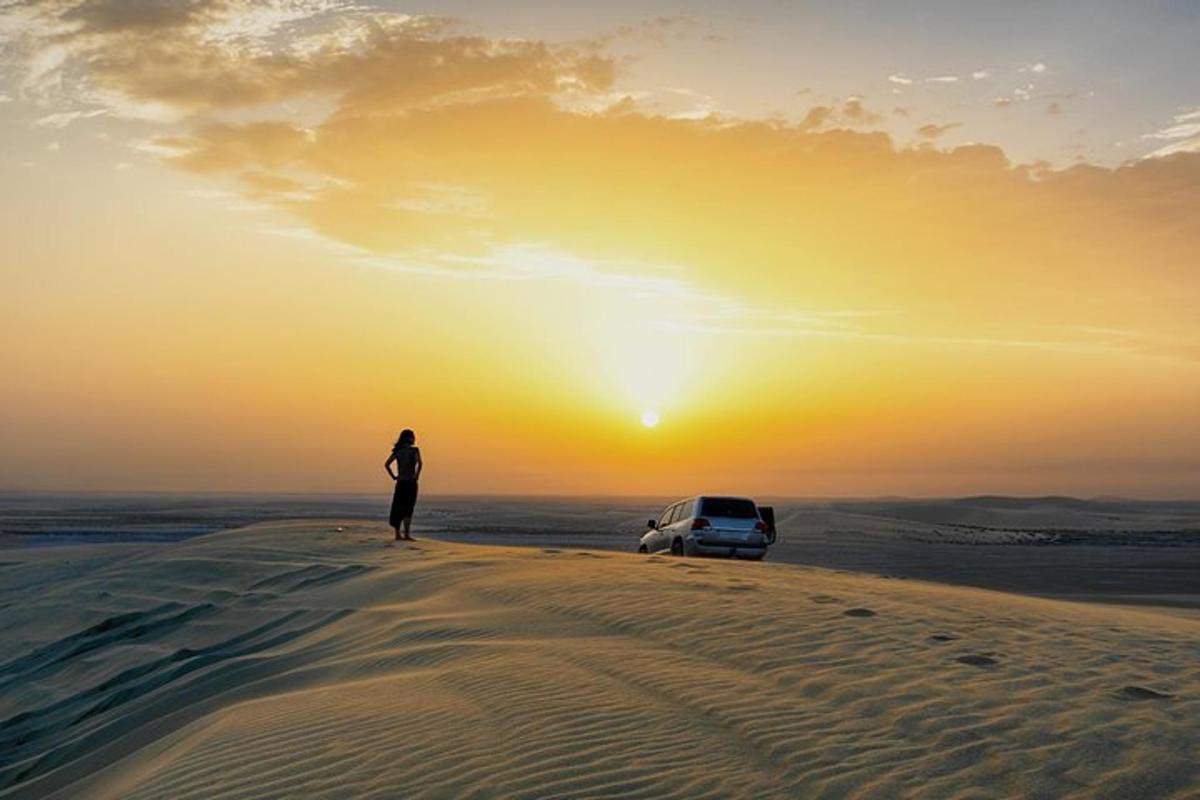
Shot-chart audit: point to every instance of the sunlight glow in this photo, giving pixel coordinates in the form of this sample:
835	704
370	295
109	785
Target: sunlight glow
650	418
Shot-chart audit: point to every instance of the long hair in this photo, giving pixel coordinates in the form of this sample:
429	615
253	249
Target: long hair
407	438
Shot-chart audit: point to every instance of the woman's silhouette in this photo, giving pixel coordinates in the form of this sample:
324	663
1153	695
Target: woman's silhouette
407	458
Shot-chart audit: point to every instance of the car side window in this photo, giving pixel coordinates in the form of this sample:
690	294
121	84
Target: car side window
685	510
673	517
665	519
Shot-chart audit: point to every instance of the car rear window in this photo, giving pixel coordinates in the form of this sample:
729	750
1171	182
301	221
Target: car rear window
733	507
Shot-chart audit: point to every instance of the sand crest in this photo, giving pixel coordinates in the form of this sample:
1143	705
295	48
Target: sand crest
294	660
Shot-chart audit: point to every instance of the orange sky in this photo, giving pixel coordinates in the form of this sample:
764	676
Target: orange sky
367	222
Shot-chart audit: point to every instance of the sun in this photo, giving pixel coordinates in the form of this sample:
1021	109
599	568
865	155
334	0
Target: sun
649	418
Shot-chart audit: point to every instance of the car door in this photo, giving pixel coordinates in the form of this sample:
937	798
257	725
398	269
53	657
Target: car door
684	517
662	538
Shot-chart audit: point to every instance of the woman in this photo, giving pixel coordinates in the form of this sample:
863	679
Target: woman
407	458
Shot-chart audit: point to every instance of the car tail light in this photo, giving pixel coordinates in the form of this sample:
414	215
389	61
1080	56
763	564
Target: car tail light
761	527
700	524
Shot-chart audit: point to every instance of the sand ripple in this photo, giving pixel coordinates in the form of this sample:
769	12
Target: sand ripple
290	660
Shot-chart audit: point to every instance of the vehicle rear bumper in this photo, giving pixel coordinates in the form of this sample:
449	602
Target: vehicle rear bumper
738	549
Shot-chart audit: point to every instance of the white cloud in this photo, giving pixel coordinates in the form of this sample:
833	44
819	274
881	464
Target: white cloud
903	80
44	73
1187	146
155	147
980	74
124	107
54	147
64	118
1176	131
1037	67
1183	133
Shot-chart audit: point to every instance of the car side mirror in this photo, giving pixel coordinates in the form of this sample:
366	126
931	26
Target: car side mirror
651	524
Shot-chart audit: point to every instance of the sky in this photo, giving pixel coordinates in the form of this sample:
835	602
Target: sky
830	249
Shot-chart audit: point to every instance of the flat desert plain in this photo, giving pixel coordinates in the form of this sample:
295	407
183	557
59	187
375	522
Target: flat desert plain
316	659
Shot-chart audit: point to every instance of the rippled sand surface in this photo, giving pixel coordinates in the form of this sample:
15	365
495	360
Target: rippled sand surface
300	660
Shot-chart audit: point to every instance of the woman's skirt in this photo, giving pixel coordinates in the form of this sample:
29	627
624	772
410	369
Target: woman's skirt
403	501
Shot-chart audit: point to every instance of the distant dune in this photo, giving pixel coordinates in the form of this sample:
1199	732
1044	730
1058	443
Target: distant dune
297	660
1051	512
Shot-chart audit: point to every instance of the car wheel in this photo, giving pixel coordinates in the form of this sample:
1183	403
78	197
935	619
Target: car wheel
642	549
677	547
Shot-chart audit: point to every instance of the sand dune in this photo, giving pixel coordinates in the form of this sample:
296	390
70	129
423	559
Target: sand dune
293	660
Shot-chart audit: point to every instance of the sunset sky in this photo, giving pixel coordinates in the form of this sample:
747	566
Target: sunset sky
839	248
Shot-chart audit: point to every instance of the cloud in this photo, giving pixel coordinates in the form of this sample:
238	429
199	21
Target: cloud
211	55
766	212
850	114
64	118
1037	67
1183	132
980	74
1002	102
903	80
135	15
491	153
854	113
932	131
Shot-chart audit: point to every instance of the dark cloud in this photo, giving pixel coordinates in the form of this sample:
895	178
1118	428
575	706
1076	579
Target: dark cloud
146	16
855	113
932	131
175	54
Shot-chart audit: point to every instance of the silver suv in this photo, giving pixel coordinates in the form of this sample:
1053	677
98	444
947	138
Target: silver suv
712	526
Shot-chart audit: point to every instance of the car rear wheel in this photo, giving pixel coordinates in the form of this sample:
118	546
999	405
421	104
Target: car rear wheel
677	548
642	549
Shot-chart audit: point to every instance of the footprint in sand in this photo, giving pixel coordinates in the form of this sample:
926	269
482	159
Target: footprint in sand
858	612
943	637
1142	693
977	660
825	599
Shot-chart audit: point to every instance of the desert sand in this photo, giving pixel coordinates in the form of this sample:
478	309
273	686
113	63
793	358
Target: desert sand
300	660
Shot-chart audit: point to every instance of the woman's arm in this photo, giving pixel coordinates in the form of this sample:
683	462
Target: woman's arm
388	466
420	463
